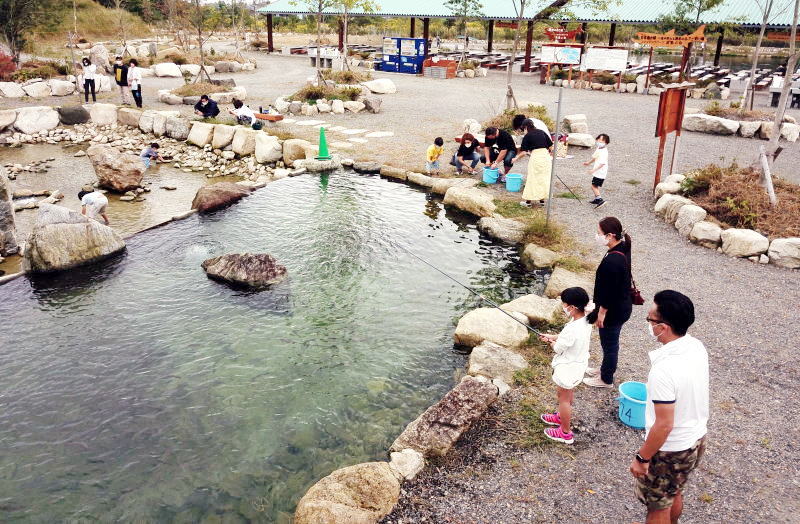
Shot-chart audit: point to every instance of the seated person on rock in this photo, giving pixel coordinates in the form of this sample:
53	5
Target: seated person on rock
93	203
244	115
206	107
498	147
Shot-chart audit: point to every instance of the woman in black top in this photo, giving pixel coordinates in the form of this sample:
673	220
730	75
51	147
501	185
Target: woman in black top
612	298
467	153
536	144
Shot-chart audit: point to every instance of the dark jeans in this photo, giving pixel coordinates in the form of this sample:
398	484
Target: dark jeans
609	340
89	85
137	96
474	161
493	154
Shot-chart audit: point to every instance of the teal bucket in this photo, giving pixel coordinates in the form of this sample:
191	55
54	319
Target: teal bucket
514	182
490	175
632	401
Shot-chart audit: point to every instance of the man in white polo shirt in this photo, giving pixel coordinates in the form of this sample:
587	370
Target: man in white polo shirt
676	415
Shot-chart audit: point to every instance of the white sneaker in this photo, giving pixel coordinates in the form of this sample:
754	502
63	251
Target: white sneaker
596	382
593	372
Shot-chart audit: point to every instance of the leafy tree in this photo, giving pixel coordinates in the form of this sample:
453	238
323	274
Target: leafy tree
791	66
367	6
769	10
317	7
17	17
464	10
201	21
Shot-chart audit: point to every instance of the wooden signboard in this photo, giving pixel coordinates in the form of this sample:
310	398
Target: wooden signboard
605	59
670	39
565	54
559	34
506	25
783	37
670	117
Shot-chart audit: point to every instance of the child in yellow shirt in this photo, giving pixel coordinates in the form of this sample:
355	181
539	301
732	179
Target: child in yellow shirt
435	150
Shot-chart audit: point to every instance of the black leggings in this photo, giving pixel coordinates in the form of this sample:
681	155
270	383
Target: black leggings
89	84
137	96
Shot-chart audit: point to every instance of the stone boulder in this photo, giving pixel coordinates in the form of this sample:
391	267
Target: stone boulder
790	132
8	234
420	179
407	463
706	234
63	239
668	206
441	186
37	89
268	148
743	243
201	134
337	107
251	270
354	106
359	494
35	119
537	257
146	121
666	188
394	172
98	54
7	118
314	165
72	115
380	86
562	279
749	129
783	252
216	196
373	104
223	136
102	114
167	69
117	171
227	66
491	324
11	90
470	199
177	128
244	141
536	308
367	168
571	120
127	116
580	140
294	149
494	361
435	431
192	69
715	125
688	216
505	229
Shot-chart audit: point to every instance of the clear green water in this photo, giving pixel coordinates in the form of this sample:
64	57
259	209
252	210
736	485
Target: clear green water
140	390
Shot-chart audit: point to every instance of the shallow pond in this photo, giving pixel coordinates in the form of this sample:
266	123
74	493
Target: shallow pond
140	390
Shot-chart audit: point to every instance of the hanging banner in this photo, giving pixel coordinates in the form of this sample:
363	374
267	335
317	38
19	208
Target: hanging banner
559	34
561	54
782	37
606	59
506	25
670	39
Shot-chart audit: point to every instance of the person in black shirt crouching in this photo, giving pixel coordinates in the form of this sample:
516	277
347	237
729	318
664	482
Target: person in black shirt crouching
498	147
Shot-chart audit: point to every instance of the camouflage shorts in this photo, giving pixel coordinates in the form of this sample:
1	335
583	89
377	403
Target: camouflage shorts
667	475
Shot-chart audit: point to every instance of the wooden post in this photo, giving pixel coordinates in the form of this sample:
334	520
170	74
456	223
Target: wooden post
612	34
649	64
718	51
341	35
270	48
413	27
528	47
491	35
674	150
662	140
426	34
767	176
687	52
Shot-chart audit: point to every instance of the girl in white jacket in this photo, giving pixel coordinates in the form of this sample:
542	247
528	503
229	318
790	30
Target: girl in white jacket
571	359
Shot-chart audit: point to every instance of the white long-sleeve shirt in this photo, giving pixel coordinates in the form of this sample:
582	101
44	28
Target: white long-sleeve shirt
135	77
89	72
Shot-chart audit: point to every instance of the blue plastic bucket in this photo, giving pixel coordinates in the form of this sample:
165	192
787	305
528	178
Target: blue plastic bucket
514	182
632	401
490	175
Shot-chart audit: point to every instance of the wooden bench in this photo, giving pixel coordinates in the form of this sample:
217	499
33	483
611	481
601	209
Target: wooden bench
268	117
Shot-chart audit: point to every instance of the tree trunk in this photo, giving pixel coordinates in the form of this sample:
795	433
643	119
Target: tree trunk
320	80
787	85
750	95
344	40
510	69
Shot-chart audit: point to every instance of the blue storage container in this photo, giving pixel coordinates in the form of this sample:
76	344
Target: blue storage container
632	402
514	182
490	175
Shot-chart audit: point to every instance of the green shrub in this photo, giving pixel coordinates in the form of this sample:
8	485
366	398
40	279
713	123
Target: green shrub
175	58
45	71
605	78
559	74
346	77
312	93
503	120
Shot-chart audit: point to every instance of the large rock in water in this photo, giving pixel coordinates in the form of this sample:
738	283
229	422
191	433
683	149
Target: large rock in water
294	149
72	115
268	148
536	308
562	279
63	239
482	324
244	141
258	270
360	494
783	252
201	134
471	199
435	431
37	118
8	235
117	171
217	196
537	257
442	185
223	136
494	361
505	229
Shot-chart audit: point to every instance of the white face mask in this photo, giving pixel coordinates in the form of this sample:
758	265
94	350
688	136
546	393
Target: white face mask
468	144
652	331
566	312
600	145
601	240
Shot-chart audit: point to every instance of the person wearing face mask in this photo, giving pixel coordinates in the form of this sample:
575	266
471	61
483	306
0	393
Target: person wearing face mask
89	76
677	410
206	107
121	78
467	154
599	170
536	144
135	81
612	294
571	359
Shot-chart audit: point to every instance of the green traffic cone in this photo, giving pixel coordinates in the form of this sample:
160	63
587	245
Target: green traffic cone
323	146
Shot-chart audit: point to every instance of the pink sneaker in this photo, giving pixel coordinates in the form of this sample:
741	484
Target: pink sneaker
559	436
553	419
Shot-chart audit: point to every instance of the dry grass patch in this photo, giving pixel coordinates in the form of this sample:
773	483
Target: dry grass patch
503	120
346	77
736	113
198	89
734	196
311	93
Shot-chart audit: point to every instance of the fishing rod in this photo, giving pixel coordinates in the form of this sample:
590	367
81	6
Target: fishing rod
471	290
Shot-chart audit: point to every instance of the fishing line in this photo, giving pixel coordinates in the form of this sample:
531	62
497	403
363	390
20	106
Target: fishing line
471	290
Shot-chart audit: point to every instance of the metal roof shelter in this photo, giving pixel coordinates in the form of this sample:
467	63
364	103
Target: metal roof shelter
745	13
